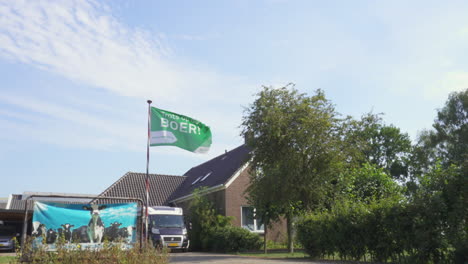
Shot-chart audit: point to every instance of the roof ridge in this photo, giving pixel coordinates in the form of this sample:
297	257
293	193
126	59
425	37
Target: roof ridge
115	183
215	157
157	174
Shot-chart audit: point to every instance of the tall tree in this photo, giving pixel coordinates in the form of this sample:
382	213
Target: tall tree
295	141
448	141
382	145
441	160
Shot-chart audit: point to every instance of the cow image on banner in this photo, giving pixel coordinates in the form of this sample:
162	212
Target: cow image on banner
87	225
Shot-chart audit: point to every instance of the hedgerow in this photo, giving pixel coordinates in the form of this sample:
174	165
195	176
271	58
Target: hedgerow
430	227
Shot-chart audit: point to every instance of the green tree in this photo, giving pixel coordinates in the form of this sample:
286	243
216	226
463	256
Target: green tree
295	141
440	165
440	212
380	144
448	141
369	184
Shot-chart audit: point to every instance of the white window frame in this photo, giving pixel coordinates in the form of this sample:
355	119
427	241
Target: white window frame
197	180
206	176
260	231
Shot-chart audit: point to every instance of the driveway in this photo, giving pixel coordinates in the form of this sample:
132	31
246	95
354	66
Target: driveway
198	257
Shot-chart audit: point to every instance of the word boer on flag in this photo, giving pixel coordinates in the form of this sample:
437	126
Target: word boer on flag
171	129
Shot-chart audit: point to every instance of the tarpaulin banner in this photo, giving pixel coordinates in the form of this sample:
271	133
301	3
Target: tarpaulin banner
86	225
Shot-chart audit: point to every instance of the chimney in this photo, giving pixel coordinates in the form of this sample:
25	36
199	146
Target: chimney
247	136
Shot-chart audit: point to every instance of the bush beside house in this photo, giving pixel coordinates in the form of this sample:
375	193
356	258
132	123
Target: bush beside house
214	232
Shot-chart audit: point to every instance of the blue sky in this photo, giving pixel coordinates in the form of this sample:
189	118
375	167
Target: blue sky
75	75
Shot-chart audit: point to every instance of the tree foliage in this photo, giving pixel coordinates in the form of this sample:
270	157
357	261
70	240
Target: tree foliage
441	168
448	141
295	141
369	184
380	144
428	226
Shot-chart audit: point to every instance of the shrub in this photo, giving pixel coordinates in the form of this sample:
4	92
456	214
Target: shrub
204	220
310	233
231	239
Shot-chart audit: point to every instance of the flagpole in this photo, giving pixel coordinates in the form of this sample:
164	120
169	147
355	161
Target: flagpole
147	169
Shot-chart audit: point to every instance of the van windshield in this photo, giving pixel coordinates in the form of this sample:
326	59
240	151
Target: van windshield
167	221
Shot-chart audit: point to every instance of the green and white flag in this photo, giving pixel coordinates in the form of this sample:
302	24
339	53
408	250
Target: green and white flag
171	129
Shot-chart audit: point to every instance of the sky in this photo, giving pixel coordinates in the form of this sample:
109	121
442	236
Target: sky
75	75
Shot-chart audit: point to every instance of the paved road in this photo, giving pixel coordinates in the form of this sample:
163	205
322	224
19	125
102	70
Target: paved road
197	257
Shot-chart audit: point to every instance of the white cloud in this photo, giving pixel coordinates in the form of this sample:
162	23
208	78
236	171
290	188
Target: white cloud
81	40
65	126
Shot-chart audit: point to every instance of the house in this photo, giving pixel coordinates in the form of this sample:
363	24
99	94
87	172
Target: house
225	178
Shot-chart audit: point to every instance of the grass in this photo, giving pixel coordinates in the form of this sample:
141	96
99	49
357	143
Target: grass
6	259
279	255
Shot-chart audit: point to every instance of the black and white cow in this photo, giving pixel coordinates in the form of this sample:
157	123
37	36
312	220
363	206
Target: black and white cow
111	233
66	232
126	233
80	235
38	229
95	225
51	236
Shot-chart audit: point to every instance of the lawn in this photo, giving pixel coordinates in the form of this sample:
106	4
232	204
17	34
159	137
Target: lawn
6	259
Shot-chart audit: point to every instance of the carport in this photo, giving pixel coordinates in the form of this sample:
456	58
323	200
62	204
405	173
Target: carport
13	218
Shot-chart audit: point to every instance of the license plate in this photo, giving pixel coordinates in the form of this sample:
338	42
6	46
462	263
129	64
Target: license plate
173	244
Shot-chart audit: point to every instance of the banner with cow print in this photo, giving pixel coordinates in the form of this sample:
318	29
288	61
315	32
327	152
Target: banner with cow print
83	225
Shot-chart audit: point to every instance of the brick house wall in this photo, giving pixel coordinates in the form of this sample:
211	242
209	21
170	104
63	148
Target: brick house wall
235	199
217	198
229	201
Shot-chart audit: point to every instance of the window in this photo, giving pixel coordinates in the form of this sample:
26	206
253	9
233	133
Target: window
248	219
196	180
206	176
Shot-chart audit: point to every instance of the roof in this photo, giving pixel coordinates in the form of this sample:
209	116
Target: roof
132	184
12	215
215	172
18	201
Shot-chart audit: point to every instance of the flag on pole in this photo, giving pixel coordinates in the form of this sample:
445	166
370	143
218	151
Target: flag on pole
171	129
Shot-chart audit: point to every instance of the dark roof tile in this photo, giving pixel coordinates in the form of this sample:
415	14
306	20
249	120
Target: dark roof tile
132	184
220	170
